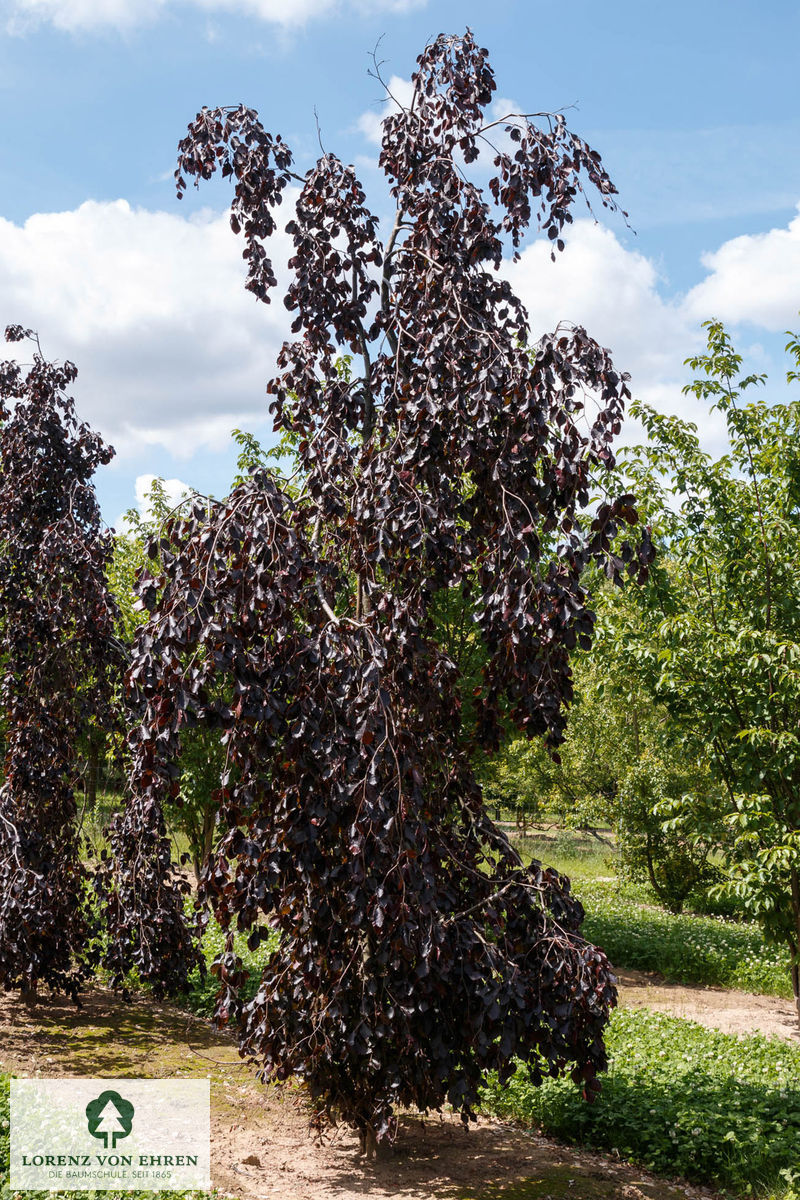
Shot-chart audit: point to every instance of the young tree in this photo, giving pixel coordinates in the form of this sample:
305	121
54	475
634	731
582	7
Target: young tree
56	649
416	951
718	627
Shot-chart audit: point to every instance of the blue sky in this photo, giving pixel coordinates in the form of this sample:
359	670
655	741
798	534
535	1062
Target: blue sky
694	108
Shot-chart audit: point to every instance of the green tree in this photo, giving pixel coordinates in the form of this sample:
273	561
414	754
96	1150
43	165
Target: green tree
623	764
717	629
193	812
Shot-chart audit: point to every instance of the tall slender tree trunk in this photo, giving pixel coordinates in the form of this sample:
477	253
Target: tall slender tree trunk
93	769
794	941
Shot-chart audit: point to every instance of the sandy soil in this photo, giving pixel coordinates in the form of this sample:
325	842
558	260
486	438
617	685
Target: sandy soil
261	1146
732	1012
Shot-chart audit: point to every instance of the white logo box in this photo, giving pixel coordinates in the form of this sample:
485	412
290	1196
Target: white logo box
80	1134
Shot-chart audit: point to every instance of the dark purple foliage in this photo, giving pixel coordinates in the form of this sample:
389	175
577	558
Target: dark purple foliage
56	647
416	951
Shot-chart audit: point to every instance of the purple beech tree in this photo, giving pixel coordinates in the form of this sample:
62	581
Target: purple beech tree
415	952
56	650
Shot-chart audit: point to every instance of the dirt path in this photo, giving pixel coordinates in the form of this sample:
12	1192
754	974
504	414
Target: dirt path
260	1138
730	1011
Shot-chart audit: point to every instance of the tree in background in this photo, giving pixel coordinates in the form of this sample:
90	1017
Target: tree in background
717	630
624	766
191	814
57	650
415	951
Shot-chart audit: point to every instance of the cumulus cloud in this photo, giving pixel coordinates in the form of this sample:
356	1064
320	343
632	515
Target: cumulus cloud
752	278
174	353
618	295
613	291
175	490
75	16
370	123
151	306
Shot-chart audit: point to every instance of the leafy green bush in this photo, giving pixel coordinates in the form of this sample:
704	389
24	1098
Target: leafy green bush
683	948
203	988
679	1099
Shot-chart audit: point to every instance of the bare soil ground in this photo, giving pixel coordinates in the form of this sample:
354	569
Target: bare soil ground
730	1011
261	1145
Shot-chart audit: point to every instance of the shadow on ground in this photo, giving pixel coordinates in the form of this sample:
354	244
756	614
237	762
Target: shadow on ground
261	1144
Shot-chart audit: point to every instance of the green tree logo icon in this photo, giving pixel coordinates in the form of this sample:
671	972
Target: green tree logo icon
109	1116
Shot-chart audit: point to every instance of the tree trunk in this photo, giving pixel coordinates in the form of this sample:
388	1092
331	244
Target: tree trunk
368	1142
29	993
650	867
207	842
93	769
794	942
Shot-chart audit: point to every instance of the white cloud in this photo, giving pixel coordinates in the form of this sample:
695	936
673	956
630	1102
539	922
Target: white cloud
370	122
75	16
175	490
614	292
753	278
171	350
618	295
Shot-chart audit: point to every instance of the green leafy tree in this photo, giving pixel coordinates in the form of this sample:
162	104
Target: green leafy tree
193	812
625	764
718	626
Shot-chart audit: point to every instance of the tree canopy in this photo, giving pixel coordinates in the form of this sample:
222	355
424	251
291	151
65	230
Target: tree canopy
57	654
415	950
717	629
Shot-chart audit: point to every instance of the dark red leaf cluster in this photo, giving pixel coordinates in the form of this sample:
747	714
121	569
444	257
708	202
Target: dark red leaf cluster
56	650
415	952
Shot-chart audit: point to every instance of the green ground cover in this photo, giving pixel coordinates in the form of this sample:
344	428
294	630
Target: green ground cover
686	948
203	988
636	932
680	1099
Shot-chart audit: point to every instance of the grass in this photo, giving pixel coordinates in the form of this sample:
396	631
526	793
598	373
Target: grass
625	919
94	821
578	855
686	948
680	1099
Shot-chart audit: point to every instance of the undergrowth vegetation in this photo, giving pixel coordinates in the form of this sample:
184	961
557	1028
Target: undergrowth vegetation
203	987
685	948
680	1099
637	933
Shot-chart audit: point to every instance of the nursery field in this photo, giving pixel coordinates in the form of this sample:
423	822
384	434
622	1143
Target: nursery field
705	1111
259	736
261	1145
